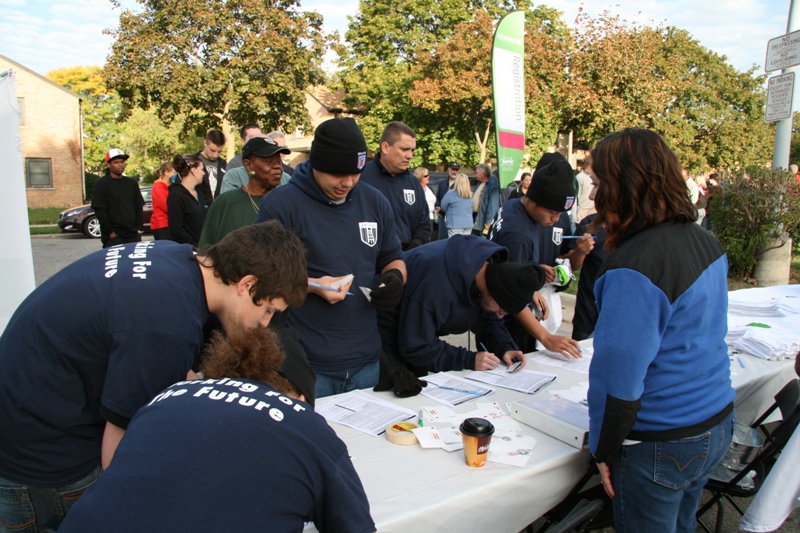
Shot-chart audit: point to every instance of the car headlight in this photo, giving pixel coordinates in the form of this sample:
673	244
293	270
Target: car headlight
71	213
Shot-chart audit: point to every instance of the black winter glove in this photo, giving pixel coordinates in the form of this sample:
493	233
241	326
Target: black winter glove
396	377
413	243
389	291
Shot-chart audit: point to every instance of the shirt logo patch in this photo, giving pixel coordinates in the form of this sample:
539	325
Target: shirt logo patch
369	232
408	195
557	233
362	160
569	203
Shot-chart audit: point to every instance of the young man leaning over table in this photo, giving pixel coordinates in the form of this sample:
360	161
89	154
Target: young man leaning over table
533	228
456	285
267	462
71	382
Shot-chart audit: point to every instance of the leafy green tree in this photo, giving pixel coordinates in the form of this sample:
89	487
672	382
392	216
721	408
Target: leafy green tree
385	41
760	206
220	63
100	110
453	84
151	142
661	78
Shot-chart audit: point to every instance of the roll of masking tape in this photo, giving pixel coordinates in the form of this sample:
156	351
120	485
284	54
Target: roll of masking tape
400	433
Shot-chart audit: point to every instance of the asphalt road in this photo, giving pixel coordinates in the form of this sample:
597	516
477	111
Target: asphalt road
51	253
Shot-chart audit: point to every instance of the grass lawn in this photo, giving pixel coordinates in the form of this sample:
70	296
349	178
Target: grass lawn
44	215
44	230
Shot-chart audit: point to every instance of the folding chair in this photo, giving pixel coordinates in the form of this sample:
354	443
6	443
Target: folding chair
788	401
581	510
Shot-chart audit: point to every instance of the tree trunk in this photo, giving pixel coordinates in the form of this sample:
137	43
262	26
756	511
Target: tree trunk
774	264
483	142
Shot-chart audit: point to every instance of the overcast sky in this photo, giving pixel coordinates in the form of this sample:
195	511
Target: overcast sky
46	35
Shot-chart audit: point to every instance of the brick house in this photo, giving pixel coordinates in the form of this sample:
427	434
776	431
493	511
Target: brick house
51	131
321	104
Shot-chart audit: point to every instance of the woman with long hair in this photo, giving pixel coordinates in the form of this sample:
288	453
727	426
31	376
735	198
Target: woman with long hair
457	205
660	395
185	213
522	188
159	221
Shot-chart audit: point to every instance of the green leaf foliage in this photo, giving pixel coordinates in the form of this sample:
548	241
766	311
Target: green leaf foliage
388	43
219	63
660	78
100	110
758	206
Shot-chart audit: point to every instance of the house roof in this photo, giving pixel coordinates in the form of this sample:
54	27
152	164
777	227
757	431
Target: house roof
330	100
37	75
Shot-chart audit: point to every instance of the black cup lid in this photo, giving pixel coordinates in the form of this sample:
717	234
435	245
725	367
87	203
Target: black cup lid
477	425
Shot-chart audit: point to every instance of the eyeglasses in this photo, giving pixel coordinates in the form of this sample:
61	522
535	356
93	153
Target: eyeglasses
426	175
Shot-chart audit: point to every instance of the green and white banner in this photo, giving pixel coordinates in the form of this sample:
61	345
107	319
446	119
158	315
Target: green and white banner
508	85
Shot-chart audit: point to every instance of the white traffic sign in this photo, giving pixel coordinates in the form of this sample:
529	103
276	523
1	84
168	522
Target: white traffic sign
783	52
780	91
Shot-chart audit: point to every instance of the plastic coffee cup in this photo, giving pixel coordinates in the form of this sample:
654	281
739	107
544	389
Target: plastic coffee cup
476	433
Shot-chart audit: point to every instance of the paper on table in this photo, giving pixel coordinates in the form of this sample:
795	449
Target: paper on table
527	381
448	439
557	360
362	412
511	448
452	390
575	394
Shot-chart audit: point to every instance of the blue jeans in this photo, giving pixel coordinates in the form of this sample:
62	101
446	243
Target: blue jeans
26	509
658	484
442	228
366	377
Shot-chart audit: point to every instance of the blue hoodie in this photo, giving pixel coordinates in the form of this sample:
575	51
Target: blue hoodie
438	300
356	237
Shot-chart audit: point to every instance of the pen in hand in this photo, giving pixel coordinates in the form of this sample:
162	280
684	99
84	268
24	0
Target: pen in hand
325	287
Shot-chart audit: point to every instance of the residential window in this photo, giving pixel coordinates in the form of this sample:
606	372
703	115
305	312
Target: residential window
38	173
21	107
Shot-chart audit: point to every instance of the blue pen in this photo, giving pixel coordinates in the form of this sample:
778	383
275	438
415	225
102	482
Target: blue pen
483	346
574	237
325	287
740	361
476	393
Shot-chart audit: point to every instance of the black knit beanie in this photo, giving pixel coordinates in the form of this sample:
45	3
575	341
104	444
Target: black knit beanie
553	186
295	365
512	284
338	147
549	157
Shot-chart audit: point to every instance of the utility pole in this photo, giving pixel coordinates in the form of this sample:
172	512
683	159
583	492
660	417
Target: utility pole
783	128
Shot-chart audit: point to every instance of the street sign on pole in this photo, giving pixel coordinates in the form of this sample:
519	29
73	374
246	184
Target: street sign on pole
783	52
780	92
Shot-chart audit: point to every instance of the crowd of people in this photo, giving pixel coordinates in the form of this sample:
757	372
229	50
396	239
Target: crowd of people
343	274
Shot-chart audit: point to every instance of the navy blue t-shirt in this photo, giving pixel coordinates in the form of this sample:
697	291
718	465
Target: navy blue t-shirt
525	239
355	237
108	331
225	455
407	198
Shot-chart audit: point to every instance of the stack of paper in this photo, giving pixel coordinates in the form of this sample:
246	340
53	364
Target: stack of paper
769	338
783	300
360	411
